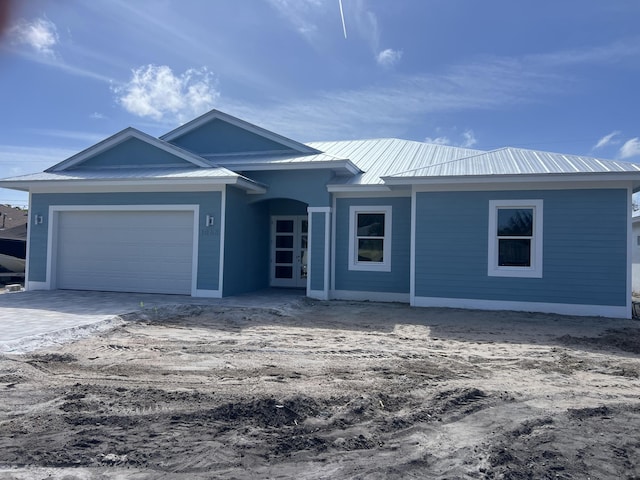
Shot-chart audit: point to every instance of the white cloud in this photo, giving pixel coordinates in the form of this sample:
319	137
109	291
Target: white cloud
97	116
155	91
40	34
631	148
389	57
438	140
469	139
606	140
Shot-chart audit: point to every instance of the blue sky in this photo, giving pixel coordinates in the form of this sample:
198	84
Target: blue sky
557	75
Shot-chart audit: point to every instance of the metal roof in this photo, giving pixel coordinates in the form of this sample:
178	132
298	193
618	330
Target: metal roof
283	160
518	161
383	157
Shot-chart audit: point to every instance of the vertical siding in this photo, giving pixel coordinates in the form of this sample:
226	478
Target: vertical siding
584	247
395	281
208	240
318	232
246	250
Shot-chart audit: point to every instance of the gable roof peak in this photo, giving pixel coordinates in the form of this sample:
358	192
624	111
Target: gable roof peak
215	114
121	137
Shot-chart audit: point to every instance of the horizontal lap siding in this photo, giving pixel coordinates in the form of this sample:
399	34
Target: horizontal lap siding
208	238
395	281
584	248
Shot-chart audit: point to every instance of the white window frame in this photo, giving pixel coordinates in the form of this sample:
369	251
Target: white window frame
533	271
354	264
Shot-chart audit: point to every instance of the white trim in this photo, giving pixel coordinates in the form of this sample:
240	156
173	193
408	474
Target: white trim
630	250
36	286
412	250
368	296
327	251
354	264
366	193
335	165
559	308
318	294
318	209
223	227
535	270
121	137
208	293
52	233
309	251
244	125
28	252
350	188
567	184
332	285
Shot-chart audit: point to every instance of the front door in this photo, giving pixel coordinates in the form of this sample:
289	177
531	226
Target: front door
289	250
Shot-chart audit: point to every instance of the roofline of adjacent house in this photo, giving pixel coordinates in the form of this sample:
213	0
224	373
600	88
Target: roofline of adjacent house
28	185
217	114
516	178
122	136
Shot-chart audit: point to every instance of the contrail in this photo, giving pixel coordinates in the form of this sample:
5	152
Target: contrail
344	26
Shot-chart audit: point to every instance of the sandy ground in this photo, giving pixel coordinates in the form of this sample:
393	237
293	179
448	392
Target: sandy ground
328	390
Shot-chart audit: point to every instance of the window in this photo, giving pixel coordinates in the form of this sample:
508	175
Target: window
515	238
370	238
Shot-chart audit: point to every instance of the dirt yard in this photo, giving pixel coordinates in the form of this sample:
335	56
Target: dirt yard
318	390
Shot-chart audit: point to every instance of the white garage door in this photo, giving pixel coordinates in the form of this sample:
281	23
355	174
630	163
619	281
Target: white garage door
132	251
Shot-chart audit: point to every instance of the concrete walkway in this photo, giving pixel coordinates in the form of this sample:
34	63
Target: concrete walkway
29	320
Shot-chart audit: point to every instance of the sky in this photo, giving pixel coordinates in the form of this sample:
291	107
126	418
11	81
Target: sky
554	75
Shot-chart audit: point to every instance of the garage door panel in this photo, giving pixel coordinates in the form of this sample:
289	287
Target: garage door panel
141	251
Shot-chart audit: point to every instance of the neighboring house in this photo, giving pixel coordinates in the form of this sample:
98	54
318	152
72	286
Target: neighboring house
219	207
13	241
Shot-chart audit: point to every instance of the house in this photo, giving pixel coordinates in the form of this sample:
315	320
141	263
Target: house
219	207
13	242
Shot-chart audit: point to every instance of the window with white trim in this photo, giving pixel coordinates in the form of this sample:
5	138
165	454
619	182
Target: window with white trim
370	238
515	238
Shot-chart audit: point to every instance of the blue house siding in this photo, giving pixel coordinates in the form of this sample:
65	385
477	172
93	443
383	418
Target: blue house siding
308	186
246	246
395	281
133	153
318	232
208	239
584	248
218	136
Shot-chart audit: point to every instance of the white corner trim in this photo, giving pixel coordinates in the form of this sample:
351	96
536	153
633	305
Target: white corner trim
412	248
354	264
28	252
37	286
208	294
318	294
223	223
535	270
318	209
559	308
369	296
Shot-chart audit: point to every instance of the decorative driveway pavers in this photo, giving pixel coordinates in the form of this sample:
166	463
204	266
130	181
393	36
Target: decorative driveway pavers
26	317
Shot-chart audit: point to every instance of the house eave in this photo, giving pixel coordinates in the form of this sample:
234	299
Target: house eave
346	167
41	186
519	178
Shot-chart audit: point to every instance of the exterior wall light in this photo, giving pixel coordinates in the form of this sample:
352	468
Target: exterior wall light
37	219
209	221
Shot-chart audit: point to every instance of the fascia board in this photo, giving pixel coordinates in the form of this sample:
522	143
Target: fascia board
483	179
347	165
216	114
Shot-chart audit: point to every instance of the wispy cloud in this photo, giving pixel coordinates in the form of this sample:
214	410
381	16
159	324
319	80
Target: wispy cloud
303	15
20	160
438	140
155	91
468	140
606	140
390	109
389	57
40	34
631	148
